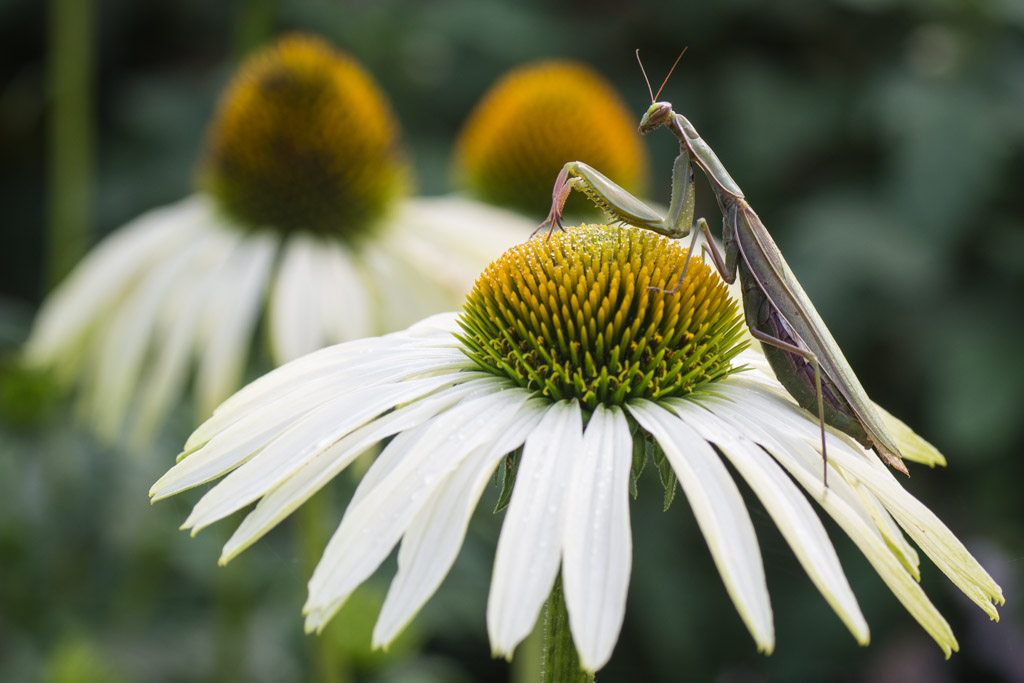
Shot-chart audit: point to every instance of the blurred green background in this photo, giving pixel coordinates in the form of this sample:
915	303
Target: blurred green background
881	142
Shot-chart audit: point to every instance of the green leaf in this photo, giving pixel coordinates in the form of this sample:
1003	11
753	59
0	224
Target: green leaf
641	448
666	474
508	480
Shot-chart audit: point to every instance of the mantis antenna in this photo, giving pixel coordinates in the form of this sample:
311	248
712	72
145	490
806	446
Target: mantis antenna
644	72
666	77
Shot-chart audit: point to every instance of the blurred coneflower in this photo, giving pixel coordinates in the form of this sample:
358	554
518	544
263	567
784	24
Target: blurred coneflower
567	371
535	119
302	218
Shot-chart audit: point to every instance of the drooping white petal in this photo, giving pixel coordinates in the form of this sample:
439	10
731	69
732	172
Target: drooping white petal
122	345
345	299
787	506
292	448
165	379
314	474
598	553
530	544
800	459
928	531
447	239
96	283
778	411
373	525
229	323
920	523
295	326
912	446
472	230
401	297
890	530
720	513
432	541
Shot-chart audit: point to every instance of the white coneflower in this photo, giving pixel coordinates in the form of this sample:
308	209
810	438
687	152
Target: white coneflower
301	215
567	368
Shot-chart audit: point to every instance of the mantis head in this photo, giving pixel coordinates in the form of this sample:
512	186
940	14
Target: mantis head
657	115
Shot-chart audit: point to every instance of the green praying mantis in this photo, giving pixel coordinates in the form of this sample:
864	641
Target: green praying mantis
801	351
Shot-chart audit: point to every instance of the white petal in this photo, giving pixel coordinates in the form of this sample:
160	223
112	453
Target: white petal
230	321
291	449
107	271
345	299
176	334
401	296
777	410
598	544
912	446
470	230
928	531
721	516
294	317
843	505
239	441
123	344
890	530
449	240
432	541
297	392
785	503
530	544
358	358
372	526
392	459
313	475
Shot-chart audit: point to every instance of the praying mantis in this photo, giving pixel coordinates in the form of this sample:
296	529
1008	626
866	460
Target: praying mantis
802	353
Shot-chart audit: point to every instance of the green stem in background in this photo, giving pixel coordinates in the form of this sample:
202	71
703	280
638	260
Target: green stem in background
233	612
329	665
528	654
254	24
71	134
560	663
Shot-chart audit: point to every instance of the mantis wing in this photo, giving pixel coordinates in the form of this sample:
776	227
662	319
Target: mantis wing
781	287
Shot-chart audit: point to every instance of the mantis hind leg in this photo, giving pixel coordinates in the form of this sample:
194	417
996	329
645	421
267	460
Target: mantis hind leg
766	338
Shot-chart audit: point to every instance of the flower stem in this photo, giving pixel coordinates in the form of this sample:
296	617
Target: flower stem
254	25
329	664
560	663
71	134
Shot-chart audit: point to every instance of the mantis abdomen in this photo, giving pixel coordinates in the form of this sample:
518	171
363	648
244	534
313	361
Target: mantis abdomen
795	372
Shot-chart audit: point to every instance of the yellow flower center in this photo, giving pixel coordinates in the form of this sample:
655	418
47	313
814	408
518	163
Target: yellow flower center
537	118
573	317
304	140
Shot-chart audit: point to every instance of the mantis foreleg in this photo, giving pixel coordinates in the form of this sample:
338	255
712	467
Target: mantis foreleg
623	206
